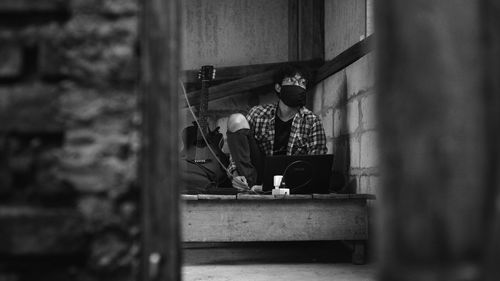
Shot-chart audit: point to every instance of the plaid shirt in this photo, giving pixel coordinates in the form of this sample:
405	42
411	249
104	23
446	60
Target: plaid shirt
307	135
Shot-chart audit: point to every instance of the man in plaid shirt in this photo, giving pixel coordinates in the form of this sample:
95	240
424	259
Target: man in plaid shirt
283	128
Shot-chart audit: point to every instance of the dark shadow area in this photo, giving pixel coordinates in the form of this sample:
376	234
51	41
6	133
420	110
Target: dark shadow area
267	252
341	174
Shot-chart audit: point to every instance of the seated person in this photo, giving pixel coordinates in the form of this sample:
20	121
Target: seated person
283	128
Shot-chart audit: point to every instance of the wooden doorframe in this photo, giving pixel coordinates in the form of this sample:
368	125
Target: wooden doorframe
159	161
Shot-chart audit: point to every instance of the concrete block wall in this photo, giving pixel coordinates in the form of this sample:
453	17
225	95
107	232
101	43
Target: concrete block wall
346	104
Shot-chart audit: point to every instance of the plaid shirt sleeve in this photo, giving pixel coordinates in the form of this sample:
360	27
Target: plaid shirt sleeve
318	138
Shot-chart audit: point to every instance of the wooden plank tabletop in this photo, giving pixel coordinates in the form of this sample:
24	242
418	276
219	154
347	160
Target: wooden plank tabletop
343	196
189	197
216	197
246	196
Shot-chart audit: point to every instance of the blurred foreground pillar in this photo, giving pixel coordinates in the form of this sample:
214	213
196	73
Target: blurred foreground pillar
160	63
438	88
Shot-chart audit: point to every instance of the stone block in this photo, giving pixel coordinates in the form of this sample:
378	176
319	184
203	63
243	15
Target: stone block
51	62
97	50
335	90
374	184
330	145
106	175
368	184
11	56
369	150
26	6
121	7
354	148
327	120
316	94
108	7
32	108
368	110
339	122
360	75
341	150
364	185
35	231
96	209
352	185
352	116
82	105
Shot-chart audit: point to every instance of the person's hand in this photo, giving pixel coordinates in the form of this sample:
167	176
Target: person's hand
257	188
240	183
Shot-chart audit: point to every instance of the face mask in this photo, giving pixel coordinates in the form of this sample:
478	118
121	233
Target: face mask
292	95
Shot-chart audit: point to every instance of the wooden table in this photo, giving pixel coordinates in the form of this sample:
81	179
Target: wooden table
250	218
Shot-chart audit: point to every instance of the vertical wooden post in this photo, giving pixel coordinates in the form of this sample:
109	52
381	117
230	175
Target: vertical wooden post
293	30
160	57
311	29
437	125
306	30
491	60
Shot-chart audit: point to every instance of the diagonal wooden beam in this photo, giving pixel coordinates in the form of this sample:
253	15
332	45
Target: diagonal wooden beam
264	78
241	71
234	87
246	83
345	58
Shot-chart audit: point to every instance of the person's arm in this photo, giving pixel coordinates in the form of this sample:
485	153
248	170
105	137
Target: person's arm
240	182
237	181
232	165
318	138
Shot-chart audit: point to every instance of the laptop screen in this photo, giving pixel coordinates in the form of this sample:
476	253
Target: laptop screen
302	174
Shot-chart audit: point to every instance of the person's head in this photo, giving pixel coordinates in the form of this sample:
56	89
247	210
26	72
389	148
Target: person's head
290	83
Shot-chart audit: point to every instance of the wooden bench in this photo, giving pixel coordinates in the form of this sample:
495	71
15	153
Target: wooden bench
252	218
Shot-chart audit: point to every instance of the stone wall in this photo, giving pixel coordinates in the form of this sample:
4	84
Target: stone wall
68	137
346	103
346	100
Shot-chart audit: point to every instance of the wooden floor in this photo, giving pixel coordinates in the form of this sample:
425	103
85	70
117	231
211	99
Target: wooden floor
280	272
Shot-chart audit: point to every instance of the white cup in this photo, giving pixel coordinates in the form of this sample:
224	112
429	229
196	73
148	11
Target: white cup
277	181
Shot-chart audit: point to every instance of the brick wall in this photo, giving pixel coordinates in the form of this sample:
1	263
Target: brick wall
68	138
346	103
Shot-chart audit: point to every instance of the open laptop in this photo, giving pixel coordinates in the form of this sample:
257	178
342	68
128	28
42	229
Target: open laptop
302	174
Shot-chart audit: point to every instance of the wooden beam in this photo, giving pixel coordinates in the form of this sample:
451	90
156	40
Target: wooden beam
246	83
435	91
345	58
306	29
159	164
259	79
234	87
233	72
311	31
293	30
490	15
